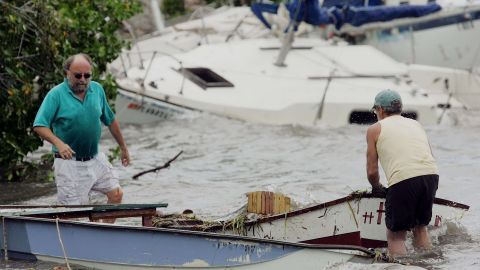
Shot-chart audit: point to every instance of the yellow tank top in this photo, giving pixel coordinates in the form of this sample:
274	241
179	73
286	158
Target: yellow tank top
403	149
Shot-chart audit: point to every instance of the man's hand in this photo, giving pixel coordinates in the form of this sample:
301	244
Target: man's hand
125	156
379	191
65	151
117	134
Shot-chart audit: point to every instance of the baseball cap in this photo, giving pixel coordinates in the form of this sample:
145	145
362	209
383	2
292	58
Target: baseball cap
387	99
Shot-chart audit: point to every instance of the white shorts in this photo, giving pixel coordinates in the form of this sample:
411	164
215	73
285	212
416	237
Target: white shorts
77	179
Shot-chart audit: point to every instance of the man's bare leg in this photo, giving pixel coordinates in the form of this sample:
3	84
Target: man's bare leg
114	197
396	243
421	239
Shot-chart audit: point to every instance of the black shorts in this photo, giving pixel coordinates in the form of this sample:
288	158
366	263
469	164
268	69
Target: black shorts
409	202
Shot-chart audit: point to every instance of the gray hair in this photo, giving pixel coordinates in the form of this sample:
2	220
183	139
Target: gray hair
394	108
70	59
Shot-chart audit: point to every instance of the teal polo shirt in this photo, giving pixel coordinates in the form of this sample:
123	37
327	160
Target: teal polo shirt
76	122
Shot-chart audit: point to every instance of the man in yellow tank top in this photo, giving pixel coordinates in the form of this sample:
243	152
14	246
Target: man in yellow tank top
401	145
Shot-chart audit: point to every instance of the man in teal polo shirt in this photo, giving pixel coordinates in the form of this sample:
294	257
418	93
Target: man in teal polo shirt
70	119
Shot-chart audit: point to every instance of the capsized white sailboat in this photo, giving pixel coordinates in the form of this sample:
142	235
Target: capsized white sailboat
320	84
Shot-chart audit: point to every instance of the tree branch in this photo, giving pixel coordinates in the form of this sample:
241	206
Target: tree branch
166	165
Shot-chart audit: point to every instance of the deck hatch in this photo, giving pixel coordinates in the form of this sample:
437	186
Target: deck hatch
205	77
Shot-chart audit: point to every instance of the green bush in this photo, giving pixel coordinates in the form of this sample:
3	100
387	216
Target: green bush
35	38
173	8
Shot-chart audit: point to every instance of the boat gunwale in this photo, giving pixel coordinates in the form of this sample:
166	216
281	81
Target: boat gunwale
145	95
365	251
348	198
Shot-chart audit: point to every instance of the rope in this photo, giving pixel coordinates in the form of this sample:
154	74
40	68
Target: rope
61	244
353	213
5	249
378	256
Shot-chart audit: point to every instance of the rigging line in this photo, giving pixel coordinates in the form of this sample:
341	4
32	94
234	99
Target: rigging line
235	29
353	213
318	62
475	59
451	91
412	44
135	39
142	88
61	244
322	102
204	28
335	62
123	65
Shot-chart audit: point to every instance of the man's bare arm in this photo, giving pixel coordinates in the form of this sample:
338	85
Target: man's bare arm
117	134
372	157
63	149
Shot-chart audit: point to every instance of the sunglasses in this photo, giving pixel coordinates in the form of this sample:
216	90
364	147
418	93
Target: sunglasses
79	75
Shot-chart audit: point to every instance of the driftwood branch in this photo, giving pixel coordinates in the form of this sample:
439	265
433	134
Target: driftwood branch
166	165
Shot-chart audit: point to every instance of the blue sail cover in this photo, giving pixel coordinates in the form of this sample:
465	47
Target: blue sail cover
308	11
353	3
311	12
358	16
258	8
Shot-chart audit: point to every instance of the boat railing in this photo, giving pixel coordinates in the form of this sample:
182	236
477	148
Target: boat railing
93	212
131	59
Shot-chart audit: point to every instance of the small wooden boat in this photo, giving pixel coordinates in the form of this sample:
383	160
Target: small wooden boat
38	233
357	219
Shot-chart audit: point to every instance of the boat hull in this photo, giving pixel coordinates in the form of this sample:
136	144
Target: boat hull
248	87
134	108
125	247
433	40
351	220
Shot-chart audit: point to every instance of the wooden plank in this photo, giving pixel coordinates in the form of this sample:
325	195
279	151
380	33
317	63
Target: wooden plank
92	215
270	203
267	202
287	204
265	194
276	203
122	213
147	221
259	202
108	207
254	202
263	203
250	202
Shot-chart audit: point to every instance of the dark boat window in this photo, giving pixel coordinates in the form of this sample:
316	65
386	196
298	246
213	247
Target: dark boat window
362	117
205	77
412	115
367	117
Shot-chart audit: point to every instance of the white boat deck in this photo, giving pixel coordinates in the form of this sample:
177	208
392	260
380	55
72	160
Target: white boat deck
266	93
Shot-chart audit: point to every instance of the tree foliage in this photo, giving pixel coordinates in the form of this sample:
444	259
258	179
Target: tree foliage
35	38
173	8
